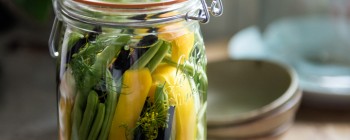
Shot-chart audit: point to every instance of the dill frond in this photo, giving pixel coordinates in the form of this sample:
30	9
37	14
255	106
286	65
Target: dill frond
155	115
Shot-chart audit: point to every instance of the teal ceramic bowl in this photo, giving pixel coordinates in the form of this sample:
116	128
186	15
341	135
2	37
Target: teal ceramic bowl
250	99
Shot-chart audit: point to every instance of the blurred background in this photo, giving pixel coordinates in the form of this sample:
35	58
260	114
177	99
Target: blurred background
284	30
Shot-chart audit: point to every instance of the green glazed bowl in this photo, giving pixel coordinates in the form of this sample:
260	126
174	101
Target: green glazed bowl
250	99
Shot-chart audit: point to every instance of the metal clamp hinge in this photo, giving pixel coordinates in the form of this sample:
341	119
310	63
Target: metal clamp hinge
216	9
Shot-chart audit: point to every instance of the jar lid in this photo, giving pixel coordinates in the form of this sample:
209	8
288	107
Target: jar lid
129	5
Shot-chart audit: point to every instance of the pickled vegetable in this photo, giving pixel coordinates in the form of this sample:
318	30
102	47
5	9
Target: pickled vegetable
182	47
131	100
180	95
119	85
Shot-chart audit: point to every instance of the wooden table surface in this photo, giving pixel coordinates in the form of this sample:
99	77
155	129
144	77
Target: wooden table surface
311	123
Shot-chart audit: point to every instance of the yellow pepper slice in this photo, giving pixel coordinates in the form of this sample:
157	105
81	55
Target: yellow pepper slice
181	38
180	95
182	47
136	85
170	32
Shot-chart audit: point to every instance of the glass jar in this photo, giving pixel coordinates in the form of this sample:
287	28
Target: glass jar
131	70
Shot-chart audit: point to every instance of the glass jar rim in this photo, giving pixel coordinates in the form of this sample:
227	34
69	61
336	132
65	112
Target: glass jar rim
134	5
100	12
146	15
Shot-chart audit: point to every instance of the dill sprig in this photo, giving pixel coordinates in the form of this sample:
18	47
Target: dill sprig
92	60
155	116
80	67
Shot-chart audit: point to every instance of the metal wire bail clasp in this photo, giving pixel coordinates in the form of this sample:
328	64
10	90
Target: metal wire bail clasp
216	9
53	36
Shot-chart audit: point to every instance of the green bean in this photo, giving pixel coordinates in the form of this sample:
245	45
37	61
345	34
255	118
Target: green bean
189	69
111	102
146	57
163	50
99	118
100	43
76	118
203	83
89	49
91	78
73	38
89	114
161	102
101	63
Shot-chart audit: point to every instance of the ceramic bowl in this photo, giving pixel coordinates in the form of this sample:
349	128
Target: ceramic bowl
249	99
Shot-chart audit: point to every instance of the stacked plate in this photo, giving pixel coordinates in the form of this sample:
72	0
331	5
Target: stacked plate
250	99
316	47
